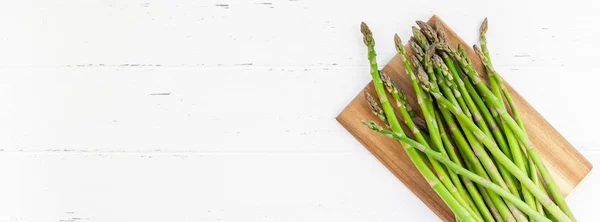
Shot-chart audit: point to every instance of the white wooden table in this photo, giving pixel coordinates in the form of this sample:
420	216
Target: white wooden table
224	110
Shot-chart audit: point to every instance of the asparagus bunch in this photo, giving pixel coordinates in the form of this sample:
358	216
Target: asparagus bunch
482	163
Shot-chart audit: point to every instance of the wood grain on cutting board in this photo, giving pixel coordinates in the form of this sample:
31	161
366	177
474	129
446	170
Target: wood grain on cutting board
563	161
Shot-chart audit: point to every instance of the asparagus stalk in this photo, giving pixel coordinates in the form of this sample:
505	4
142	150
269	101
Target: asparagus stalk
470	161
451	67
449	78
472	176
500	178
488	117
515	111
459	137
494	102
430	117
534	176
515	148
456	133
434	182
470	205
489	67
473	157
475	200
475	101
450	179
481	123
510	182
402	103
492	147
487	198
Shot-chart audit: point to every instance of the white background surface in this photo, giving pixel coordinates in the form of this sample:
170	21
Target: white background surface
243	128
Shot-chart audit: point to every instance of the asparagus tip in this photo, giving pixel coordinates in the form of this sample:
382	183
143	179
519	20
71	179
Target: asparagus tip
397	41
437	61
484	27
444	69
415	62
399	46
417	50
443	46
429	54
374	106
423	25
372	103
440	31
428	31
387	81
463	53
372	125
364	28
368	35
460	48
415	29
445	75
421	124
420	37
423	78
392	87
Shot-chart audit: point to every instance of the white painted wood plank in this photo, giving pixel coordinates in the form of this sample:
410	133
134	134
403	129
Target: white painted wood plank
176	109
217	187
245	109
282	33
202	187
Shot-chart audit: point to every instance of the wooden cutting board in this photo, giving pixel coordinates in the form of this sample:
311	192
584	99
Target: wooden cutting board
563	161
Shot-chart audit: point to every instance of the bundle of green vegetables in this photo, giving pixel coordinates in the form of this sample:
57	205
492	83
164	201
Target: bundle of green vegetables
471	149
